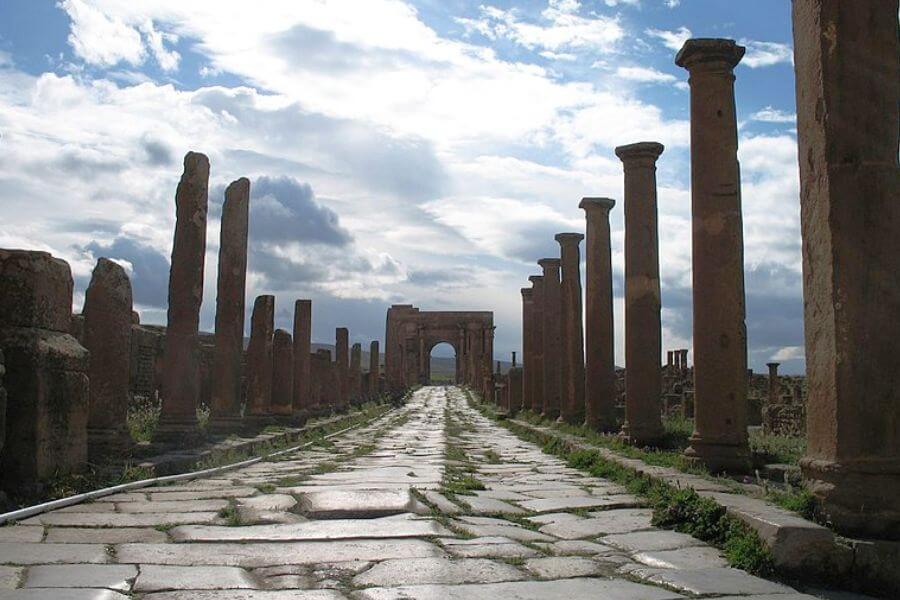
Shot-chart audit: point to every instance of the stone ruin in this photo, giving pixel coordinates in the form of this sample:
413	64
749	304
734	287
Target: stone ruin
67	381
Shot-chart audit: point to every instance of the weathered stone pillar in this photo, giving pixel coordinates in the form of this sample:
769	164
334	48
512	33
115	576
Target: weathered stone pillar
46	371
282	373
683	359
181	360
643	329
527	347
538	306
342	365
514	382
551	339
848	90
670	361
600	362
720	335
572	401
225	403
374	371
260	356
2	404
356	373
774	384
302	342
107	336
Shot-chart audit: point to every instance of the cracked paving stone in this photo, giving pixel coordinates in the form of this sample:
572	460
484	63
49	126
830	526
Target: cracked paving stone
61	594
437	570
711	581
558	567
104	535
561	589
642	541
159	578
613	522
247	595
359	504
123	520
696	557
26	553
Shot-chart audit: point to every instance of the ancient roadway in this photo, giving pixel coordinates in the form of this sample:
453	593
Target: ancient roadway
362	517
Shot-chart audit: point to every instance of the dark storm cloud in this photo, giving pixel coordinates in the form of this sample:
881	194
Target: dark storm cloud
157	153
150	275
406	167
283	209
82	163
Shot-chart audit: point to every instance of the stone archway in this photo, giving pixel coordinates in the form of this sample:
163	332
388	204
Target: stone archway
431	358
412	333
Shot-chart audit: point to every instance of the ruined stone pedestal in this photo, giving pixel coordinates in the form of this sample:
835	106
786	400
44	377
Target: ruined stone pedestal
848	91
720	335
225	403
107	336
600	366
550	338
572	369
46	372
643	328
181	361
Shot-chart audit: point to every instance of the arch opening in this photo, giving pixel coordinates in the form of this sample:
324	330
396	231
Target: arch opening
443	364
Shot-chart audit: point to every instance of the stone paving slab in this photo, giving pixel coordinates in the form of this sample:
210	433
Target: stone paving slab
27	553
613	522
437	570
562	589
711	581
21	533
248	595
61	594
114	577
122	520
359	504
564	503
10	577
156	578
104	535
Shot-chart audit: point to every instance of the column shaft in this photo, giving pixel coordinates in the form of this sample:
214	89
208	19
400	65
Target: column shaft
260	356
550	339
302	398
572	326
539	396
527	347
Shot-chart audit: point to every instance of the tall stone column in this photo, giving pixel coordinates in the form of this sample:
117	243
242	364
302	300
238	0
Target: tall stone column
572	401
527	347
600	363
181	360
774	384
720	335
374	371
302	399
282	373
342	366
260	356
538	305
356	373
683	359
2	404
551	387
643	328
225	404
46	371
848	90
107	336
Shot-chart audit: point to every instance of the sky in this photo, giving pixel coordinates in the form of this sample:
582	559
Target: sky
419	151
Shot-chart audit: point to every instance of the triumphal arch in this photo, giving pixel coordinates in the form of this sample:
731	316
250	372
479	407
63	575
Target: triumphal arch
412	333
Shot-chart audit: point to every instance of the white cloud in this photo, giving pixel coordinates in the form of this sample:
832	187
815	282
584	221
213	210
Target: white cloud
644	75
672	3
790	353
167	59
765	54
672	40
773	115
621	2
100	39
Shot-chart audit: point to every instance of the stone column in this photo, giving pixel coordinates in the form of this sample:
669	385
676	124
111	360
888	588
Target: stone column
225	404
342	364
260	358
107	336
373	391
282	373
46	371
683	359
302	347
181	360
720	335
848	90
356	373
551	339
527	349
600	363
670	361
538	305
2	404
514	381
643	329
774	384
572	322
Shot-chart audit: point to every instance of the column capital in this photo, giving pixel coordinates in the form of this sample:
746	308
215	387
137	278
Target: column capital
707	54
569	238
536	280
549	263
648	151
590	204
773	365
527	293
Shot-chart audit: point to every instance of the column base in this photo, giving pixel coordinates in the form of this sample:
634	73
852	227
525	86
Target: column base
224	425
641	436
861	498
105	444
719	457
183	433
601	426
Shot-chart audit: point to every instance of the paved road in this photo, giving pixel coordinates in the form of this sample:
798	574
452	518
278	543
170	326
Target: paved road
369	516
